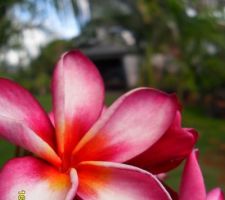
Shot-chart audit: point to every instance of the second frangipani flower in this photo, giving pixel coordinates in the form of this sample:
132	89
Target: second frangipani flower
81	156
192	183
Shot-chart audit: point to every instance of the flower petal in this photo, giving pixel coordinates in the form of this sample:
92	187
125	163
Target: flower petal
105	180
172	192
78	95
215	194
127	128
192	183
24	123
168	152
35	180
51	117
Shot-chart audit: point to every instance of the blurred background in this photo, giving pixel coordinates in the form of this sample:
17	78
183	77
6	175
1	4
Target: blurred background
174	45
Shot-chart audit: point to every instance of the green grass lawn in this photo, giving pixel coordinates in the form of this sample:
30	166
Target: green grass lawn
211	144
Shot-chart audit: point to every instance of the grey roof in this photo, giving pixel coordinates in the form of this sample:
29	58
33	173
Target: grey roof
106	51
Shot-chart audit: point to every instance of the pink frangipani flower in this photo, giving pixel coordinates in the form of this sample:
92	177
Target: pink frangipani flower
192	183
81	155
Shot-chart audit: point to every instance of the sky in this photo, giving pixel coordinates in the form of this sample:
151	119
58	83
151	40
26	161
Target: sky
63	26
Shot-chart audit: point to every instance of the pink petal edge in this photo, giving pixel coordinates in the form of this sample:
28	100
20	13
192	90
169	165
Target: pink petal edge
192	183
169	151
105	180
215	194
23	121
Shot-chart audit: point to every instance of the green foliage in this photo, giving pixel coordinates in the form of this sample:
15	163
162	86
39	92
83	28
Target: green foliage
11	27
212	74
6	23
168	27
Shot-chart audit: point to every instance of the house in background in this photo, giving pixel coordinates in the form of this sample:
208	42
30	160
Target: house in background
114	52
111	46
